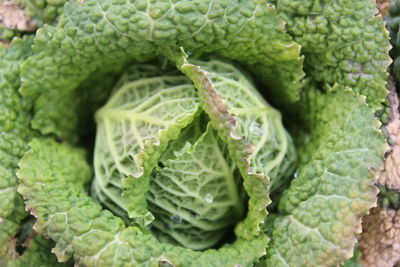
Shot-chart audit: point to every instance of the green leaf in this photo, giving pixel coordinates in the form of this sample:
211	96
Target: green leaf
343	42
53	177
15	135
133	129
37	253
14	123
252	129
103	33
344	46
197	194
44	11
320	214
15	131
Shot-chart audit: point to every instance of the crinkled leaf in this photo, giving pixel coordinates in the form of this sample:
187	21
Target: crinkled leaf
196	196
37	253
133	129
53	177
355	260
15	131
252	129
389	177
14	122
343	42
320	213
380	238
98	33
15	135
45	11
13	17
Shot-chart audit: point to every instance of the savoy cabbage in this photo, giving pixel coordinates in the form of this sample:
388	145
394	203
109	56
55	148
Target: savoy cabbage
137	132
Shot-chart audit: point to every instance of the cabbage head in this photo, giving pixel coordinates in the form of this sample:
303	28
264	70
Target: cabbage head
138	132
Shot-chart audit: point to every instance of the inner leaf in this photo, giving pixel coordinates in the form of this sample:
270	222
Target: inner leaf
196	193
133	129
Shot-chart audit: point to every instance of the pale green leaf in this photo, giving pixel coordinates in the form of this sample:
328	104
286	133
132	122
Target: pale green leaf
133	129
252	129
320	213
53	174
197	194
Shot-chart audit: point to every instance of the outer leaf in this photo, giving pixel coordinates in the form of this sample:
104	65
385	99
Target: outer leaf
329	31
37	253
44	11
98	33
134	128
196	196
14	124
355	260
14	21
15	135
52	181
14	127
77	107
343	42
379	241
321	211
252	129
7	34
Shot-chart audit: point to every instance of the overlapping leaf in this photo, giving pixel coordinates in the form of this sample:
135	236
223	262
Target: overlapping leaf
100	33
53	174
197	194
252	129
15	135
133	129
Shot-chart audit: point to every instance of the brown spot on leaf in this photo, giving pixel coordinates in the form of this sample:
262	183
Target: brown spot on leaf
390	176
383	6
6	44
13	16
380	241
380	238
11	251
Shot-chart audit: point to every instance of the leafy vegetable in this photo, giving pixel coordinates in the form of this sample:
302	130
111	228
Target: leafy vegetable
324	204
134	127
379	241
143	115
100	237
188	154
43	11
13	20
14	139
